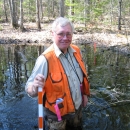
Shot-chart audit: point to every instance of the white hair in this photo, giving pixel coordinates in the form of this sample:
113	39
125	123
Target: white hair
62	22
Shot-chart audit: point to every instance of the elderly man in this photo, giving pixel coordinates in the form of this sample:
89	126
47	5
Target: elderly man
60	71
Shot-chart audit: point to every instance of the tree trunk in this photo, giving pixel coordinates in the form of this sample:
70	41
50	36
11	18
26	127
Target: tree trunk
86	11
21	16
29	10
61	8
41	8
13	14
119	19
6	17
38	15
53	11
71	8
111	2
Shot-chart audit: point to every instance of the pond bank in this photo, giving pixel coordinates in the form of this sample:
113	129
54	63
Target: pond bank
32	35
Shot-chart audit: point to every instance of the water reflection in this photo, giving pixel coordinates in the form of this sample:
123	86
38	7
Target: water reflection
109	75
18	111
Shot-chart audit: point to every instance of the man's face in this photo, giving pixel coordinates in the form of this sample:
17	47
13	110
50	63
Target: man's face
63	37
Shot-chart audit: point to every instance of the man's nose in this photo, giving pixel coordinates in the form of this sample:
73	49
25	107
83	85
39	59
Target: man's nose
65	36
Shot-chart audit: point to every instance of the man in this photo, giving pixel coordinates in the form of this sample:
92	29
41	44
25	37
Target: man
60	71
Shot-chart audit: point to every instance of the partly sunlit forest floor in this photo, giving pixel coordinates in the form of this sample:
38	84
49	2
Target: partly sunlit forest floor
108	36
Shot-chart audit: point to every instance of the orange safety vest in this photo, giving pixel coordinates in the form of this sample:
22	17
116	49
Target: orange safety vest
56	85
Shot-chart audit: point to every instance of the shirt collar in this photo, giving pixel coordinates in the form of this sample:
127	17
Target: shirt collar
58	52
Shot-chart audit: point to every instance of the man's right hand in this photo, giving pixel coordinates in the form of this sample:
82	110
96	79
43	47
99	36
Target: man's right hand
39	81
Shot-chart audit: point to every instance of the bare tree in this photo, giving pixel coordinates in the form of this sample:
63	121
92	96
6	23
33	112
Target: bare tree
111	10
86	11
71	7
21	16
61	8
53	9
119	17
41	8
38	22
6	17
13	13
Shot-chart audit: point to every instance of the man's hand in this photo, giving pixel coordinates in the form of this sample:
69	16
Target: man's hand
85	100
39	81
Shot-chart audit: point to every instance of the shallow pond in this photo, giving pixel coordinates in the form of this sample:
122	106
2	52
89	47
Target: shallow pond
109	75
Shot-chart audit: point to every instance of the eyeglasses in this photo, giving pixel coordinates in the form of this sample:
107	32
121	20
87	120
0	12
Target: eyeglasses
61	35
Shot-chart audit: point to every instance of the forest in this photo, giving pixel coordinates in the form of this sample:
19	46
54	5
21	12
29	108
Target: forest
88	16
111	13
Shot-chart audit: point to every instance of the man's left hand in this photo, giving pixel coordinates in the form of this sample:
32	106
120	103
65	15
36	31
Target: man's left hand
85	100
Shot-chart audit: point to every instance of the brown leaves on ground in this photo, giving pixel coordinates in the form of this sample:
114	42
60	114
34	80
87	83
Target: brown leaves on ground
85	35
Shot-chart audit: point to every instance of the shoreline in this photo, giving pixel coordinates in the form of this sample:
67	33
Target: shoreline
33	36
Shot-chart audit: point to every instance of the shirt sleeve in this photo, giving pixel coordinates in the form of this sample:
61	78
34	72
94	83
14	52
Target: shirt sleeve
40	67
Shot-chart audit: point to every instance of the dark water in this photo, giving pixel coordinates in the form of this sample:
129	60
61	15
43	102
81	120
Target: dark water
17	110
109	75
